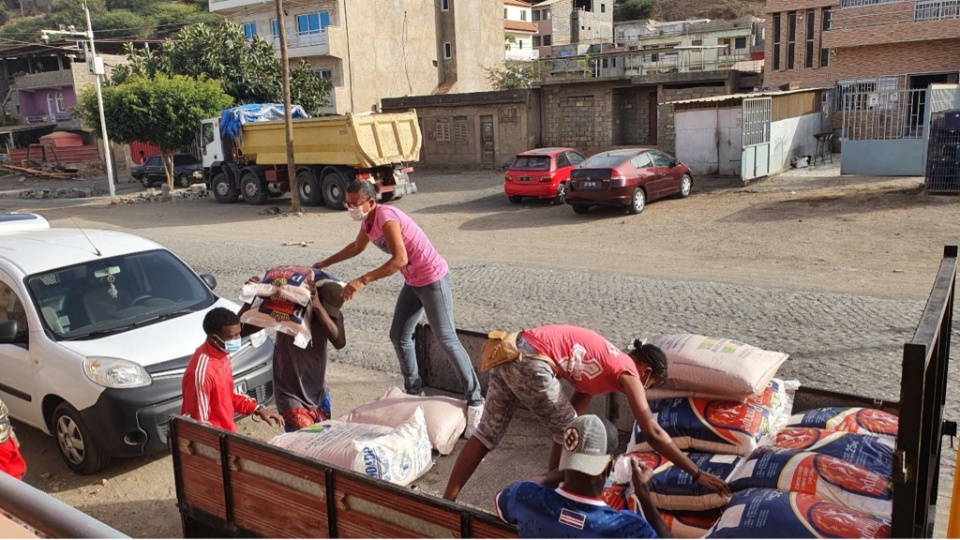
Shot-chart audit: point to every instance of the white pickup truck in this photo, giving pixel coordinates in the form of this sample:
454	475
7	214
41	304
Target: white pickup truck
96	329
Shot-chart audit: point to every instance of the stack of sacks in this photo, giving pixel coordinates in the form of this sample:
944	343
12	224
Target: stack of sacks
445	416
281	301
835	463
398	455
689	508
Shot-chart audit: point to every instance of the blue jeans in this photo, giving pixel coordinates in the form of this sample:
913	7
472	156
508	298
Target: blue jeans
436	299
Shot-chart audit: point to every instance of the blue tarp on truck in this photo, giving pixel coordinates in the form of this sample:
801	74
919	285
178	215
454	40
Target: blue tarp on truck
233	119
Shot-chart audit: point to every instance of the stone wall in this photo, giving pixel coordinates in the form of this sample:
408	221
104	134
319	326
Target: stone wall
666	129
578	115
631	116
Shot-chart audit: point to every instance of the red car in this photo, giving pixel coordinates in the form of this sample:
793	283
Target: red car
628	177
540	173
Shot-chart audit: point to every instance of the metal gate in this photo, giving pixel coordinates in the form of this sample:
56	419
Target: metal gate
757	115
486	140
884	131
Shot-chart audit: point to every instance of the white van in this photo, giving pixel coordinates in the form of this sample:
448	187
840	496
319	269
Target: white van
96	329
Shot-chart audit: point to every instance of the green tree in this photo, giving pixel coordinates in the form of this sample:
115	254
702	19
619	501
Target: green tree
123	23
247	70
631	10
514	74
163	110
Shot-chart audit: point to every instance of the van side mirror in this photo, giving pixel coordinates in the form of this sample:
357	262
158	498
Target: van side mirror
8	332
209	280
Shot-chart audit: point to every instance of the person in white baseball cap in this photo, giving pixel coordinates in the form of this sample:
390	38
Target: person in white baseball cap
546	508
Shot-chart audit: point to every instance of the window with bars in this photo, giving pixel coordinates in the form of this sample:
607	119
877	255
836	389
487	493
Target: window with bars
460	130
443	130
862	3
776	41
824	26
250	30
809	52
791	38
933	10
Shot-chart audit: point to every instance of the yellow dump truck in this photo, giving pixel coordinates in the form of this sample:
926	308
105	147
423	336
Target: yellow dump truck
245	154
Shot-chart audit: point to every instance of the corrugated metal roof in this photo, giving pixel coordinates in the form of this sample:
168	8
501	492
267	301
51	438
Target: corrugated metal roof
519	26
745	95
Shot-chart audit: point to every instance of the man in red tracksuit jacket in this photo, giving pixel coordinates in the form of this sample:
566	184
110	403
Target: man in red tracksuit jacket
11	462
208	391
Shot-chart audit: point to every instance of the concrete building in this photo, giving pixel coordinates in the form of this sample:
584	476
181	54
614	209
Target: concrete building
692	45
566	22
519	30
861	45
372	49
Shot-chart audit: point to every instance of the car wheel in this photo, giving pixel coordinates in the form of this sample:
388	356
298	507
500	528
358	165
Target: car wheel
223	189
77	448
182	180
516	199
253	188
334	188
145	181
561	193
638	201
308	189
686	186
581	208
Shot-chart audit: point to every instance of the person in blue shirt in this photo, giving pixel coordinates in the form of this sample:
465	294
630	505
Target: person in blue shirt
546	508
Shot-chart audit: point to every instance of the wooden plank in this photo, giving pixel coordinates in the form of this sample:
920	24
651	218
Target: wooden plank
274	458
203	485
365	506
492	528
273	510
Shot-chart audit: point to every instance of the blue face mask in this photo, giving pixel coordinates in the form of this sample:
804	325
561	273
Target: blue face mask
231	346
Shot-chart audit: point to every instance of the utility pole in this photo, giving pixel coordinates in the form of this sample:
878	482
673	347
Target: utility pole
287	106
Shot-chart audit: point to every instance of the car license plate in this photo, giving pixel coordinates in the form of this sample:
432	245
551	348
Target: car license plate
240	387
524	178
589	184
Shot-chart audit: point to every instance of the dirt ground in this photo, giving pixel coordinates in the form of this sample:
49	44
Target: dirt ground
810	230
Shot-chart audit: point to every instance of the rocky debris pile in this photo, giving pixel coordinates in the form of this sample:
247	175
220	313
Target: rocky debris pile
164	195
62	193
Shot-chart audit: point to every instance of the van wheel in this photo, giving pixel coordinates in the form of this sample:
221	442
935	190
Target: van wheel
77	448
308	189
253	188
334	187
223	189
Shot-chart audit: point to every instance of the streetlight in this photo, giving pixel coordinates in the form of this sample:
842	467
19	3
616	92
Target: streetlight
95	64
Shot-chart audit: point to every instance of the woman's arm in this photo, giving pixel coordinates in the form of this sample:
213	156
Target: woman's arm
398	259
659	439
349	251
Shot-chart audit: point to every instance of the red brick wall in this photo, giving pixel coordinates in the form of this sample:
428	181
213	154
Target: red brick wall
865	42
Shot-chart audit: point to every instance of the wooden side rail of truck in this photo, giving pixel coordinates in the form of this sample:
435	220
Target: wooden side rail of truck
230	485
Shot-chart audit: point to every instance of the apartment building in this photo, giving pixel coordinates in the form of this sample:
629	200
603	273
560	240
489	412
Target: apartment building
572	22
692	45
519	30
372	49
862	45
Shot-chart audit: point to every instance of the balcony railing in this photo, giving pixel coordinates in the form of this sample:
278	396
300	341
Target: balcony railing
296	40
46	79
49	118
934	10
864	3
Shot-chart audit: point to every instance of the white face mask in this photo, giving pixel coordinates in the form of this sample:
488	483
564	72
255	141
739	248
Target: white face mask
357	213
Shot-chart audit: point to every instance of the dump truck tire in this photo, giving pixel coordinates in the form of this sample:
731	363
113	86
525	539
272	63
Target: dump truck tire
334	189
253	188
223	189
308	189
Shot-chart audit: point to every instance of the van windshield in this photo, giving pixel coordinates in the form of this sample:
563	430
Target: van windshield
112	295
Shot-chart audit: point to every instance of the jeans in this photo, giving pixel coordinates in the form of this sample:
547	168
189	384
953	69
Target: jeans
436	299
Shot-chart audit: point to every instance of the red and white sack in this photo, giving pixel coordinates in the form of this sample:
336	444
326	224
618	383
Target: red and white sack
828	478
398	455
772	513
293	283
672	488
283	316
721	427
716	366
868	451
690	524
445	416
849	419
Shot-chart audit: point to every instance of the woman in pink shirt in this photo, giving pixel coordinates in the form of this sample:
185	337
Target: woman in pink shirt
427	289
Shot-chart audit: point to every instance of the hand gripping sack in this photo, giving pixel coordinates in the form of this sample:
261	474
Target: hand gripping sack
868	451
672	488
715	366
292	283
851	420
826	477
399	455
722	427
445	416
283	316
772	513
